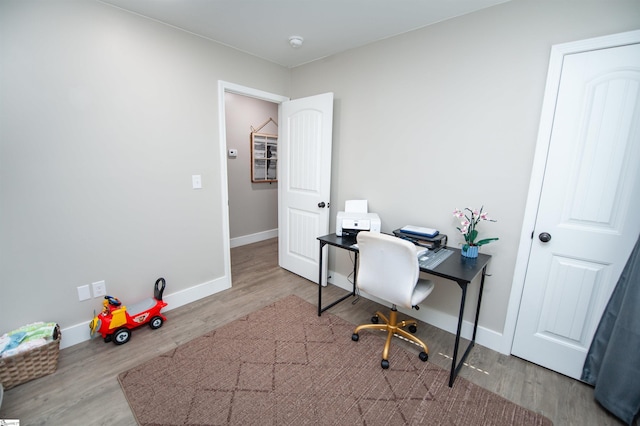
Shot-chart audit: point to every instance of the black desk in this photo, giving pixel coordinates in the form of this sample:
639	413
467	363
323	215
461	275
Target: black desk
455	268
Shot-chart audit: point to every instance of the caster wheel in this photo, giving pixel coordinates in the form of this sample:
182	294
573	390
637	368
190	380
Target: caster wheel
384	364
424	356
413	328
375	319
355	337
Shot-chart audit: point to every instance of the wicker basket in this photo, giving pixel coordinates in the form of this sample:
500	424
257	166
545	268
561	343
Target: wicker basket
29	365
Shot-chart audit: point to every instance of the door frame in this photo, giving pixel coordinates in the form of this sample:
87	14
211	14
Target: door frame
558	52
224	87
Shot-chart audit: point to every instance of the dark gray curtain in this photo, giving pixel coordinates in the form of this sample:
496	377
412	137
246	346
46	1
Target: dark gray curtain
613	360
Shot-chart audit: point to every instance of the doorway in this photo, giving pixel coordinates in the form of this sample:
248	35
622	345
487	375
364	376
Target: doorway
225	88
253	206
304	171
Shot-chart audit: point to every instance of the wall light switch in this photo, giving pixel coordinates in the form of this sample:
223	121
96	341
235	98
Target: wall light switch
84	293
196	181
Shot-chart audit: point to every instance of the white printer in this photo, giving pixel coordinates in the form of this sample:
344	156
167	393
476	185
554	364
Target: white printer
356	218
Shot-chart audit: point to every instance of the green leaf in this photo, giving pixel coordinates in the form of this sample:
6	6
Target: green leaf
486	241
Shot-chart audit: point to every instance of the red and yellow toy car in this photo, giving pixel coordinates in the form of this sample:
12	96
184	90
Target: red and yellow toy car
116	321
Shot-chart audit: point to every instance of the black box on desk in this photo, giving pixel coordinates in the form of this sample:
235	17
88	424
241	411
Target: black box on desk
423	241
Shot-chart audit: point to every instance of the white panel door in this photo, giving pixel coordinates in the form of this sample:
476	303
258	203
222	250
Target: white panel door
588	206
304	182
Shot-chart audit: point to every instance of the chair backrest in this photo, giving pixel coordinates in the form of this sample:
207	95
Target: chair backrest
388	267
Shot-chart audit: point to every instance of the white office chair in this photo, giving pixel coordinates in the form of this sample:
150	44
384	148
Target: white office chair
388	269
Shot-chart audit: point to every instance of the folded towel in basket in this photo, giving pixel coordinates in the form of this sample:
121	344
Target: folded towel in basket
27	337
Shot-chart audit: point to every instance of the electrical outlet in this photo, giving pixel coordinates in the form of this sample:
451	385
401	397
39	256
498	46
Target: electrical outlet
99	288
84	293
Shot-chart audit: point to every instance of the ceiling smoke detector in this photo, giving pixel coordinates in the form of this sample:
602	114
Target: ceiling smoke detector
295	41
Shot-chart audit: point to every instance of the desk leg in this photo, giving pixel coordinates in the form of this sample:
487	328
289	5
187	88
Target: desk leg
475	324
353	292
355	274
320	280
455	368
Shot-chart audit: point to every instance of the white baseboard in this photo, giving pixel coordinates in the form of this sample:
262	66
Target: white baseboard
484	336
80	332
253	238
489	338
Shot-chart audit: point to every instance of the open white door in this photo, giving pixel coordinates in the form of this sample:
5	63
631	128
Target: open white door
304	182
586	223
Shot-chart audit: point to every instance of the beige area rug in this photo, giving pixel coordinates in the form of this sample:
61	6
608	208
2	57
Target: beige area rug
284	365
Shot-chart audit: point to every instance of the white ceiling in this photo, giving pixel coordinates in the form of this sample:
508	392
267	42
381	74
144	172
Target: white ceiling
262	27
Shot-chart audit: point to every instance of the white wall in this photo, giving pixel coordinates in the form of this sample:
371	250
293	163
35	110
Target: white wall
253	207
104	117
446	117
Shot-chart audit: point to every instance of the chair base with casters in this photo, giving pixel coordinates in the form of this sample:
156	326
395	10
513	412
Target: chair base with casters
392	326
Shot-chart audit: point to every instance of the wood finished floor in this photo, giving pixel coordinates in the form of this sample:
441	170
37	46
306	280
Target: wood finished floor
84	390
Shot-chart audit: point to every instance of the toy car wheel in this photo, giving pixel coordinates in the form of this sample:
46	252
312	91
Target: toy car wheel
121	336
156	322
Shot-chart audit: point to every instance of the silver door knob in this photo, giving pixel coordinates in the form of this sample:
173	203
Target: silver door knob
545	237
